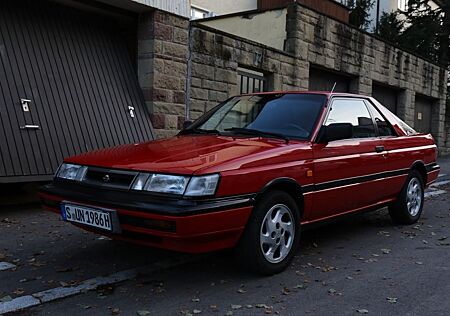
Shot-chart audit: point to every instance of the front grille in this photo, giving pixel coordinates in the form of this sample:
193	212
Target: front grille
109	178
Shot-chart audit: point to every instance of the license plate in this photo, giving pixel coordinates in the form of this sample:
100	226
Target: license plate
95	217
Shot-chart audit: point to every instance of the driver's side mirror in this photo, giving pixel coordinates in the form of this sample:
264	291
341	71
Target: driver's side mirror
335	131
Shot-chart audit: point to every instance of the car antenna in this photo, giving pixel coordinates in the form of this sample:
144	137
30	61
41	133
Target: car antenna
334	86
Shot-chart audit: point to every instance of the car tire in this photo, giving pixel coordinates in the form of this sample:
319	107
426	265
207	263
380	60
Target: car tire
272	235
408	207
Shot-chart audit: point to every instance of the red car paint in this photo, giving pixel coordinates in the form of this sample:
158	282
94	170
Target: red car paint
250	165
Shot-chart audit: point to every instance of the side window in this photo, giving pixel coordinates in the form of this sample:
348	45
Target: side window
355	112
384	128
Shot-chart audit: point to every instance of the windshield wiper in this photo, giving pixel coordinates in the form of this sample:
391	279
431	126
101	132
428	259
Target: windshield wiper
249	131
199	131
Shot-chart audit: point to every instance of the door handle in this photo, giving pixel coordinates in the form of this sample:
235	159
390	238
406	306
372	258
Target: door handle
379	149
30	127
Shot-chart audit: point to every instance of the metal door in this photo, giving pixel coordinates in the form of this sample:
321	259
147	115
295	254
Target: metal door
386	96
67	85
422	120
322	80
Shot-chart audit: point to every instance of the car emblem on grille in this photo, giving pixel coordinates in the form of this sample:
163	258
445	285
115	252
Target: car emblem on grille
106	178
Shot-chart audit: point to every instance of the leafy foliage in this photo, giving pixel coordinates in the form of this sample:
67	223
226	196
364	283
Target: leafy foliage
421	29
360	13
390	27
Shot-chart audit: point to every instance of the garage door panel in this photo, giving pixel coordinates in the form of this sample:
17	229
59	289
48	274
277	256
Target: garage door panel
423	115
58	120
386	96
94	87
322	80
75	68
32	86
14	92
139	109
78	103
109	68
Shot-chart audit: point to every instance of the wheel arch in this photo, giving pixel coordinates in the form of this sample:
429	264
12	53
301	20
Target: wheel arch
419	165
287	185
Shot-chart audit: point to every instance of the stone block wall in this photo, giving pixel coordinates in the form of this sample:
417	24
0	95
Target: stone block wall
162	69
322	41
215	58
185	70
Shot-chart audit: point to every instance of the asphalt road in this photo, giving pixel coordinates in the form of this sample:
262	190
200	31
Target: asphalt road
361	265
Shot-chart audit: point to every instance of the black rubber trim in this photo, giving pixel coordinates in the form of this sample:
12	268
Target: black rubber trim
432	167
145	202
349	181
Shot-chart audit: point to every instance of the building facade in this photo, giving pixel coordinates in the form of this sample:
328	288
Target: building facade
79	76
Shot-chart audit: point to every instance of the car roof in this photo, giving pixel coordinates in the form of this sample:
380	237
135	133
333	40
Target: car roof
327	93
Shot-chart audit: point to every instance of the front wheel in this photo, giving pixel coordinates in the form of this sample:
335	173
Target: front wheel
408	206
272	235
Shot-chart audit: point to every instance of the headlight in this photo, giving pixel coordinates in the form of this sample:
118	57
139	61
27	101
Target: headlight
163	183
199	186
166	183
71	172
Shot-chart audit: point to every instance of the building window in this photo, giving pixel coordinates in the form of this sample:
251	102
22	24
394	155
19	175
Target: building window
250	81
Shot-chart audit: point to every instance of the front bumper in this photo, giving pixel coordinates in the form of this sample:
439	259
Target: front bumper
193	226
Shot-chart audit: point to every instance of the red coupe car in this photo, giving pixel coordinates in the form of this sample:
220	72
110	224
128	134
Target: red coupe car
249	174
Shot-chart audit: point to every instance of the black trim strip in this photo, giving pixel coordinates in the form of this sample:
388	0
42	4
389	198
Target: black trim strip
154	204
349	181
432	167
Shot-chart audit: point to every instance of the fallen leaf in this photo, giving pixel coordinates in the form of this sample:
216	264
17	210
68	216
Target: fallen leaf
385	251
362	311
236	306
285	291
6	298
115	311
19	292
391	300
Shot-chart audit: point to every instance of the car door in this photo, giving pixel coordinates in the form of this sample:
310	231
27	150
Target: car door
395	176
346	170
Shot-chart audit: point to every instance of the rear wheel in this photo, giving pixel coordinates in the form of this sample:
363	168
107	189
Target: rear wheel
271	236
408	206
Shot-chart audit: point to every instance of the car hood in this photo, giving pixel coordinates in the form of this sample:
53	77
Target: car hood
193	154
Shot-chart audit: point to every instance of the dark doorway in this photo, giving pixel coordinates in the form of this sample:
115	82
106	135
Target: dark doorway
322	80
423	115
386	96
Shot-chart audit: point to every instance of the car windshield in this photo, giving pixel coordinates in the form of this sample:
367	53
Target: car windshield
271	115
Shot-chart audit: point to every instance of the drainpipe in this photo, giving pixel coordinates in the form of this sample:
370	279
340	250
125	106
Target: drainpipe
187	114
